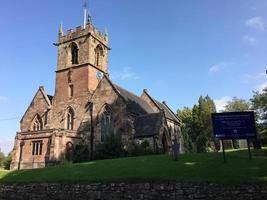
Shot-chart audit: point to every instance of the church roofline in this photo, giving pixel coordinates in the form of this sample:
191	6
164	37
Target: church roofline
49	103
164	104
152	99
112	85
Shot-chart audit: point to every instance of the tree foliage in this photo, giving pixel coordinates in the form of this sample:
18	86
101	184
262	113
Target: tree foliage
2	158
197	125
237	105
259	104
5	161
112	147
187	121
81	153
202	123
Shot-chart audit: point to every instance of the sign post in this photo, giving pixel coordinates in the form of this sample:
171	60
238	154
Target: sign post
234	125
249	152
224	159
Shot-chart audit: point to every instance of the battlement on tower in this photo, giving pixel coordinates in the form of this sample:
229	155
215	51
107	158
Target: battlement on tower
80	31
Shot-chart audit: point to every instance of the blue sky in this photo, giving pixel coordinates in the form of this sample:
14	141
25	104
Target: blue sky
178	50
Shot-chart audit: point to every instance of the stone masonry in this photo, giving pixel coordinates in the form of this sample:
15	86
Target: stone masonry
142	191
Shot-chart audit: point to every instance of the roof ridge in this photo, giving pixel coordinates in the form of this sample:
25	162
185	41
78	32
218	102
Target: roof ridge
112	85
127	90
42	91
165	104
154	100
160	104
133	98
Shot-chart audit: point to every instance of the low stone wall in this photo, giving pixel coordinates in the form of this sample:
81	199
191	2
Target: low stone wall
181	191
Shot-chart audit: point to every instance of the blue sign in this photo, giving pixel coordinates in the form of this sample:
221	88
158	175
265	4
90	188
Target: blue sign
234	125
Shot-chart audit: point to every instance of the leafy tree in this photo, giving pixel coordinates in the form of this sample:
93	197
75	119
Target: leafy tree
236	105
185	115
202	124
187	121
188	143
198	124
7	162
259	104
201	143
2	158
206	107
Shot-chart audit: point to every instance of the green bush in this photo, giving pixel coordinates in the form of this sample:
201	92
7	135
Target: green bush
188	143
7	162
111	147
2	158
141	149
201	143
81	153
235	144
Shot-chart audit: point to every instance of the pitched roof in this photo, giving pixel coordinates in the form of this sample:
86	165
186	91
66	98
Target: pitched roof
148	125
163	106
47	98
168	112
135	103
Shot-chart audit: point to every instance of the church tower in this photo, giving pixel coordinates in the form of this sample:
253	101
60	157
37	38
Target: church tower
82	61
86	47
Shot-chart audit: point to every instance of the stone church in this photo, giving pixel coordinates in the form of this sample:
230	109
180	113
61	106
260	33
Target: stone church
86	105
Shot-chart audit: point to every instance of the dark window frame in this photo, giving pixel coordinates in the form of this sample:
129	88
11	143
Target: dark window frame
74	53
70	119
37	147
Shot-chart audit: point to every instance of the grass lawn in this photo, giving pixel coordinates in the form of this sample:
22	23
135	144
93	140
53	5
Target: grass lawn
190	167
3	173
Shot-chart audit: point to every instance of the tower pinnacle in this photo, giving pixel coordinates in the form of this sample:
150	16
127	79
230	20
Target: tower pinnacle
60	30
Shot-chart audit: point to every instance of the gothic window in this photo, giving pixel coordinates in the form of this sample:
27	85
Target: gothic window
37	147
98	54
70	119
106	124
37	124
74	53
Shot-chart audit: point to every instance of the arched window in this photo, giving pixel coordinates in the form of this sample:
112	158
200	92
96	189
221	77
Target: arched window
98	54
106	123
74	53
37	123
70	119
